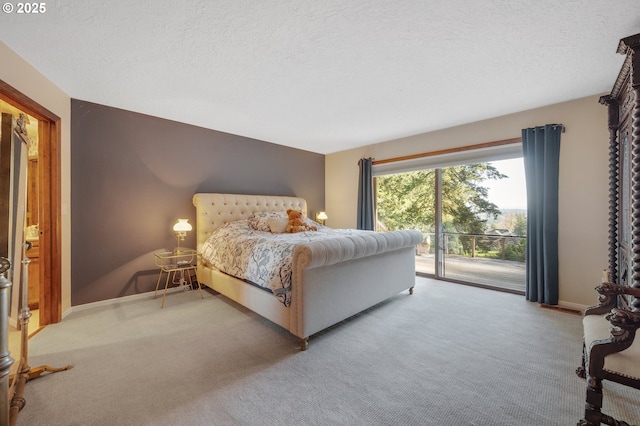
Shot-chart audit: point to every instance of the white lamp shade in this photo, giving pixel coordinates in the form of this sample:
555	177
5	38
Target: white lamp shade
182	225
322	216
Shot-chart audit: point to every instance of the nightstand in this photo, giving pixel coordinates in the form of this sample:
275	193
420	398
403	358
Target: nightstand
179	264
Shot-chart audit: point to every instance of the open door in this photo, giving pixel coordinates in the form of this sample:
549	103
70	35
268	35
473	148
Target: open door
49	209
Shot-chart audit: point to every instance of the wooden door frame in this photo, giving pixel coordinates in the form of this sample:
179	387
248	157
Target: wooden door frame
49	201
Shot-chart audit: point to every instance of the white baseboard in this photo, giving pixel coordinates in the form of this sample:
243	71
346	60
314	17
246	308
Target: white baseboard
108	302
573	306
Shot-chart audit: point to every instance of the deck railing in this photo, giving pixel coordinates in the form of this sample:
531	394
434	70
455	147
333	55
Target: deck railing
487	259
505	247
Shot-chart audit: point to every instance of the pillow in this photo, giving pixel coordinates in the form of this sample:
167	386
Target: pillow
278	225
259	221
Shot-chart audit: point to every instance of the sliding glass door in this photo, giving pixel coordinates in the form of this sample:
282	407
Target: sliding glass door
472	216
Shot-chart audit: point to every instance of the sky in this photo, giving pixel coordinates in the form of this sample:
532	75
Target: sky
508	193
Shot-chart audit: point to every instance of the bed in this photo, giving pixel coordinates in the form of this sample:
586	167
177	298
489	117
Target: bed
331	279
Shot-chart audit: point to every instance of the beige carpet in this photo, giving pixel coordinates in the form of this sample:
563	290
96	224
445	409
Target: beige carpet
448	355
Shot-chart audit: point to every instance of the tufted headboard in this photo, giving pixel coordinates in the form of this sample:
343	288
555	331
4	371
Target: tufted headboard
214	210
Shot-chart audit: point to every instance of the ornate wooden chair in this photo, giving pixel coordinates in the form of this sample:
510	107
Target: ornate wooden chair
611	350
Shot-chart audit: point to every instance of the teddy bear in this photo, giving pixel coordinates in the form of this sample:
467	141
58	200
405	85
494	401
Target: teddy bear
296	222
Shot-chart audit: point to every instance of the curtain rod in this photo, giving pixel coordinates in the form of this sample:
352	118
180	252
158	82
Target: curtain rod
449	150
554	126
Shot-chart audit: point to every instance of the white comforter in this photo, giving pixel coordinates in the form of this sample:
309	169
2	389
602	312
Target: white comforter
259	257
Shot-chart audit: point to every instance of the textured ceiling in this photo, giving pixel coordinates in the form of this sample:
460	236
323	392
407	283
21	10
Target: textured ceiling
326	75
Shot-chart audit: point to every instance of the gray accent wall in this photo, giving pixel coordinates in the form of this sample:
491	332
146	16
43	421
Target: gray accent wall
133	176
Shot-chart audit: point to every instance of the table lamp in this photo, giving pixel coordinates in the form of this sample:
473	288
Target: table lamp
321	217
180	229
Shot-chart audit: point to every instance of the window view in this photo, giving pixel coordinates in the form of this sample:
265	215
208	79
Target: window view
482	219
408	201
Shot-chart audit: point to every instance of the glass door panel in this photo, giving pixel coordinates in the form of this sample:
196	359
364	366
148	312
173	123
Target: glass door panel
407	201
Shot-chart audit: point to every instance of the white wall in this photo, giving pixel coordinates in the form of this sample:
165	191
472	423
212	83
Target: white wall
16	72
583	184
